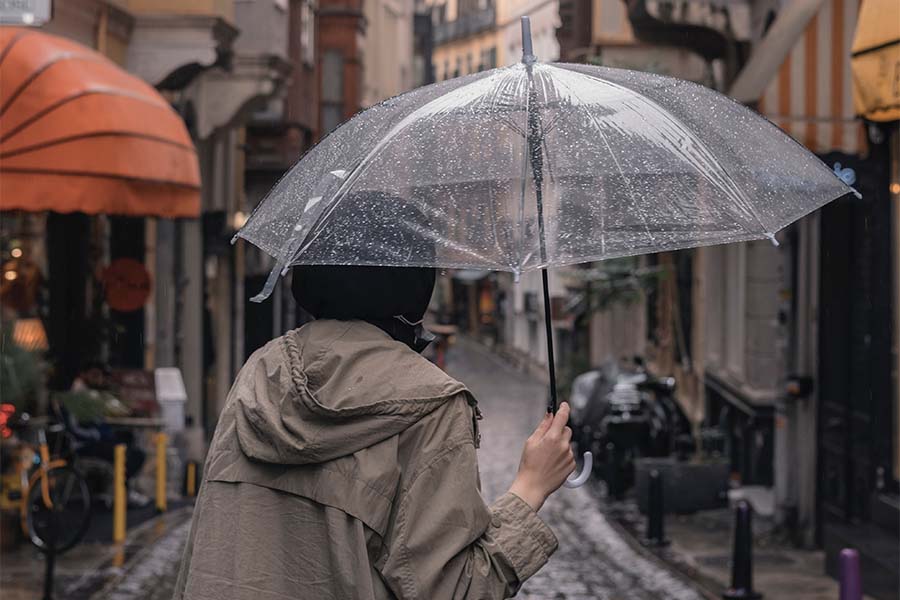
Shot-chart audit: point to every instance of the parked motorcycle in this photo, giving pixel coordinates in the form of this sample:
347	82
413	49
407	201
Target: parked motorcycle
622	413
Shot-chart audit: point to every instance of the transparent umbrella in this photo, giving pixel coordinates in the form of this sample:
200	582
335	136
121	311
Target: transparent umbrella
538	165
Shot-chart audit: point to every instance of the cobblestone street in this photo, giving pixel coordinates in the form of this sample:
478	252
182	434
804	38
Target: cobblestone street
593	562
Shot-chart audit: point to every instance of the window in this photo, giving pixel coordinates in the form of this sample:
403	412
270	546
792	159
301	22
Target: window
684	272
735	307
332	90
307	33
652	304
439	14
715	305
490	58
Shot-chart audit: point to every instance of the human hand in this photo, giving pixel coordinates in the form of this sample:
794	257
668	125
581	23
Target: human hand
547	459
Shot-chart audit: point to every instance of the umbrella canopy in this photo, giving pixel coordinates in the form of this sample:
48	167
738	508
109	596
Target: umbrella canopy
629	163
538	165
77	133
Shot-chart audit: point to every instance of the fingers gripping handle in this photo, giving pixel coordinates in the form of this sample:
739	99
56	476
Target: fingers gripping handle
586	468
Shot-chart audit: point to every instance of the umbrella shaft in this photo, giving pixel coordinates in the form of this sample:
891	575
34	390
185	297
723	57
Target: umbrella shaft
535	143
551	363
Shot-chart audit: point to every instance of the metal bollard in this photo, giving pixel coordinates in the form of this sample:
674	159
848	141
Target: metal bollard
191	482
161	439
50	557
120	501
742	557
656	512
851	582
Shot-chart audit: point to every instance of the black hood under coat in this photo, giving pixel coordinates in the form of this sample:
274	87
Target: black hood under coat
392	298
376	228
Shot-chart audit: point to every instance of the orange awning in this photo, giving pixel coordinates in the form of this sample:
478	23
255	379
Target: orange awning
79	134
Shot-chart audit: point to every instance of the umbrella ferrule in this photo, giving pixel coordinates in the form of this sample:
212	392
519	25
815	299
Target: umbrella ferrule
528	56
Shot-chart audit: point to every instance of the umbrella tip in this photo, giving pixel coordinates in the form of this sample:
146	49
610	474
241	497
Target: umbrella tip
527	51
771	238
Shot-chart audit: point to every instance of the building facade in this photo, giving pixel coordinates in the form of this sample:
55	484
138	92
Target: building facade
194	53
791	350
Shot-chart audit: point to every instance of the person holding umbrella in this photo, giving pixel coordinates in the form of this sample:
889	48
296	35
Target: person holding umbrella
344	463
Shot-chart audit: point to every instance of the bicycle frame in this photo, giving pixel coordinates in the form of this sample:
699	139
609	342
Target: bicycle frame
45	465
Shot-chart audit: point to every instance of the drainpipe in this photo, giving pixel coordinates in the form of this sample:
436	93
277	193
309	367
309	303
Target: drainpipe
770	52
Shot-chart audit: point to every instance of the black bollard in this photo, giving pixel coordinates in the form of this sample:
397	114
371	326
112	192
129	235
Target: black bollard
742	557
50	555
656	512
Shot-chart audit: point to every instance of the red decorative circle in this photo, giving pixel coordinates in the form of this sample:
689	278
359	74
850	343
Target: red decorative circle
127	285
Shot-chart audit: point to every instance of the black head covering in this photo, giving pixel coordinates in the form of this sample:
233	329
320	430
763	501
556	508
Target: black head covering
375	228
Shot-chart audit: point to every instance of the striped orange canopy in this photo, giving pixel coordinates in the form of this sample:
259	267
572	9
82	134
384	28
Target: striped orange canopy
79	134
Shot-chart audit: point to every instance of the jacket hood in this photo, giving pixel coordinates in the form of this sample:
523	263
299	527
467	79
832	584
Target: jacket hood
332	388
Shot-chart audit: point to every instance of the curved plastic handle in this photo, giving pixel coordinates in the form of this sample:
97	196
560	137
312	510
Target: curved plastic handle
581	478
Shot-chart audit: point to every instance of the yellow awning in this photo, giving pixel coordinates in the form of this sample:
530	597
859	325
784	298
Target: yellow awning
876	60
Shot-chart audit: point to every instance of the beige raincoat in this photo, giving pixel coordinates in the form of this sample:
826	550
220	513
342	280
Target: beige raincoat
343	467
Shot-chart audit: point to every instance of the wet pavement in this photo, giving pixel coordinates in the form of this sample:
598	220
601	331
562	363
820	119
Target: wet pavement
595	560
144	568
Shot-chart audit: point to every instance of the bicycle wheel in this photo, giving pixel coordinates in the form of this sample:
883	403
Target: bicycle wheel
70	515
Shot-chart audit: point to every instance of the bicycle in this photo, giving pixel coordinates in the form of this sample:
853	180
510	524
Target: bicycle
56	501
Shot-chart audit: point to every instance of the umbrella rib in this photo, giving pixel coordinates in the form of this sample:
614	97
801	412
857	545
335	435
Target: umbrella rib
505	120
706	155
520	247
612	155
364	164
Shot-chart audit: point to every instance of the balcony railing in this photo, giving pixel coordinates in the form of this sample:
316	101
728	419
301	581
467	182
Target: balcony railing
465	25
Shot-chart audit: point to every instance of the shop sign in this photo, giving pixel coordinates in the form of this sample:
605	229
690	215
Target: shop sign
25	12
136	389
127	285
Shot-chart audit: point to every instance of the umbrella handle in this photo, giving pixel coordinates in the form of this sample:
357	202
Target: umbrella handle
581	478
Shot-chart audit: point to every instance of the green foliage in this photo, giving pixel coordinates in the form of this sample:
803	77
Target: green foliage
91	405
20	370
618	281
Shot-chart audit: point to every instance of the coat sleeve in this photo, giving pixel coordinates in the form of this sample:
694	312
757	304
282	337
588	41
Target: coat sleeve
447	543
